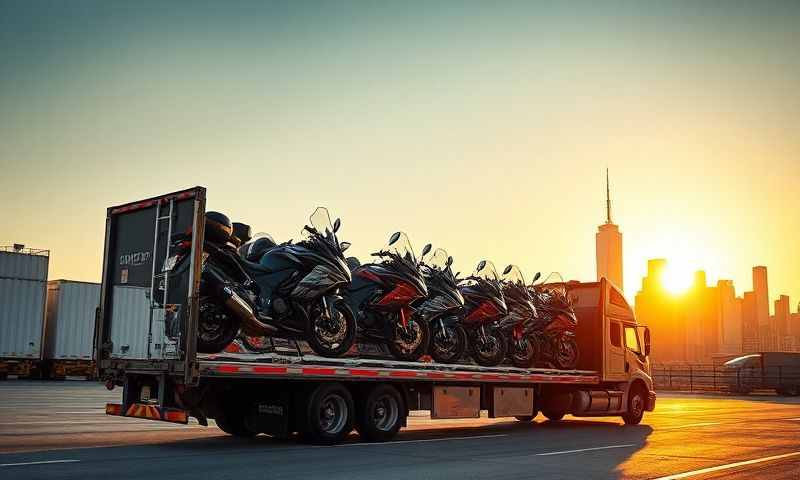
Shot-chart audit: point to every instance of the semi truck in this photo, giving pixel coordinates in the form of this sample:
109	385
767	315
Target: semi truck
147	335
779	371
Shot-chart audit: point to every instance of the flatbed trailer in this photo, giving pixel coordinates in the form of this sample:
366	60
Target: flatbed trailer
147	329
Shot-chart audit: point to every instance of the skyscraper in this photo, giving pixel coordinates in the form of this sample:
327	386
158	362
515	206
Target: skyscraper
608	244
730	316
761	290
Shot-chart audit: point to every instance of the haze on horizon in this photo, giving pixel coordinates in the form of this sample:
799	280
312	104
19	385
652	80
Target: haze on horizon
482	128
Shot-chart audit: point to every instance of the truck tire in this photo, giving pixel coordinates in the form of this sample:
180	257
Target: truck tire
636	401
554	415
328	414
380	413
233	423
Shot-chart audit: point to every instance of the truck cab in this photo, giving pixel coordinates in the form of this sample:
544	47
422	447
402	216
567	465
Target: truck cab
613	343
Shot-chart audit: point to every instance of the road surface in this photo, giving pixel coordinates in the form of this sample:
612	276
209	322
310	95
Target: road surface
59	431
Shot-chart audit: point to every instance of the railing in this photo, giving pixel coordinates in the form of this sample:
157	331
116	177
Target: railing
785	379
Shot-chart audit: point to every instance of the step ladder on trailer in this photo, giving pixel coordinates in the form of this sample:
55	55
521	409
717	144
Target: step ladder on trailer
165	347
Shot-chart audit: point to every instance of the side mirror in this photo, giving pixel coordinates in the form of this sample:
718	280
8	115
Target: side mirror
481	264
449	261
336	225
507	269
395	237
344	246
647	341
426	249
536	277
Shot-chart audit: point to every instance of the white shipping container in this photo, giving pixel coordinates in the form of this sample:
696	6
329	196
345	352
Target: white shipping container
69	331
23	290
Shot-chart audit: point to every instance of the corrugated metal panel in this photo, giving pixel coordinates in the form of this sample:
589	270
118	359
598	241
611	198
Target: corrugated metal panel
70	319
130	322
22	305
23	266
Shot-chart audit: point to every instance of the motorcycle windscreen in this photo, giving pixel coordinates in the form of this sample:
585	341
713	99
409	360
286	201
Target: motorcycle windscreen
146	281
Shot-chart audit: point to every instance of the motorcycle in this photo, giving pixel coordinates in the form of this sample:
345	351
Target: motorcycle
381	294
288	290
443	308
519	324
484	305
555	329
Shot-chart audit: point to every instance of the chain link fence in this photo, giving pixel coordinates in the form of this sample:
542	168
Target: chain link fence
783	379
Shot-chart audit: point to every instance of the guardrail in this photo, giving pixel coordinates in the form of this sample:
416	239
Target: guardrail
785	379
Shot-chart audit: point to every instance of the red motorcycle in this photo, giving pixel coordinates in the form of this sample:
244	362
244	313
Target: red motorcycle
484	306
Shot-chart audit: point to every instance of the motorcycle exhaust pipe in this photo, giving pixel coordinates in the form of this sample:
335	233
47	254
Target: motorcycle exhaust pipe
251	325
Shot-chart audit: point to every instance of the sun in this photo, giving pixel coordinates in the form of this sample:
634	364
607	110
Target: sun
678	277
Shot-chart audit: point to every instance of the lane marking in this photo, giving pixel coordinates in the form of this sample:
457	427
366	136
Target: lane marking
585	449
727	466
414	441
43	462
705	424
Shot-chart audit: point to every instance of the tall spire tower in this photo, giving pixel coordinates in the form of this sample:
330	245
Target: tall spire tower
608	243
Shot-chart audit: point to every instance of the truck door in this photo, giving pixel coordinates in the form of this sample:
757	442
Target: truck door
615	352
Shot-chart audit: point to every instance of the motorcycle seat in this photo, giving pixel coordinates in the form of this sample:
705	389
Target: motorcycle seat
256	269
254	250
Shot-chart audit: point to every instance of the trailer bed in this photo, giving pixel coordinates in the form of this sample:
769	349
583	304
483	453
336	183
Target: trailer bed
310	367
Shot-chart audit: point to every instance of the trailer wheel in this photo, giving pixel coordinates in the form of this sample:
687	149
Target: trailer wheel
636	403
328	414
232	422
554	415
380	414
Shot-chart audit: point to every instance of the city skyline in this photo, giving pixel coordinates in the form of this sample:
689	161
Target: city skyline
485	131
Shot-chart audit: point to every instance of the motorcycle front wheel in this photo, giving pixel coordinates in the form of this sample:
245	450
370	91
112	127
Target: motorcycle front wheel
216	327
566	356
331	334
410	342
489	350
523	352
448	343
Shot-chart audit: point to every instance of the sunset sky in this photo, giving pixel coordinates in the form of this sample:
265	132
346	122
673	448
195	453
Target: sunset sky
482	127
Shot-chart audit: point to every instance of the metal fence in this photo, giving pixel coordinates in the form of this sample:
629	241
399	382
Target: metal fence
716	378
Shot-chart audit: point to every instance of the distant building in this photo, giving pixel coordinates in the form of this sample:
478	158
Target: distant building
657	309
701	309
794	324
608	246
730	318
782	312
761	290
749	323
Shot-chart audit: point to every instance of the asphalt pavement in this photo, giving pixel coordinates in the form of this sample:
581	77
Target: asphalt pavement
58	430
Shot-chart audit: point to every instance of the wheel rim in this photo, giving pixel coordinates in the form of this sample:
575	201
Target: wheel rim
212	321
408	339
445	341
385	413
331	331
489	347
566	353
637	405
523	350
333	414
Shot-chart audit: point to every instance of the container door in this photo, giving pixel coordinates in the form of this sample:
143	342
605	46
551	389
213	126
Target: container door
148	312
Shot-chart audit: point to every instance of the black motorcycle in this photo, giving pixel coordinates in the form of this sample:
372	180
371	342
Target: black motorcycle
382	293
556	325
519	324
484	306
443	308
288	290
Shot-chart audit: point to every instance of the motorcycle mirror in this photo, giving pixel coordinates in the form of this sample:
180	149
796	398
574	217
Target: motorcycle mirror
481	264
344	246
507	269
395	237
449	261
336	225
426	249
536	277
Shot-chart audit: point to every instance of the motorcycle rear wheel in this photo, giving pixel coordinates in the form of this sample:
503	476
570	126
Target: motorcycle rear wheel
523	356
451	349
332	337
566	355
216	327
493	352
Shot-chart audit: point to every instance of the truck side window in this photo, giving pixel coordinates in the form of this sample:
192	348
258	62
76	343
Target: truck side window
632	340
616	335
